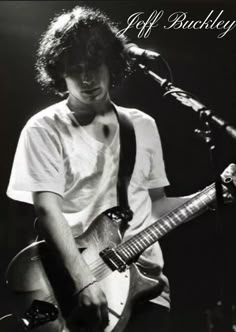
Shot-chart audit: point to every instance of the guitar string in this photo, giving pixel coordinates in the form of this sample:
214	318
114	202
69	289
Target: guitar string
171	217
99	268
101	271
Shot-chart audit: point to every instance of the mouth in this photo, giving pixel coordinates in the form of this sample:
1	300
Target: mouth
91	91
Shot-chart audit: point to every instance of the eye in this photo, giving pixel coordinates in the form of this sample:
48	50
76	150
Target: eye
75	69
80	67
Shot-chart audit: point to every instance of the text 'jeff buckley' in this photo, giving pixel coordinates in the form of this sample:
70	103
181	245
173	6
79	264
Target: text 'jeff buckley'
177	21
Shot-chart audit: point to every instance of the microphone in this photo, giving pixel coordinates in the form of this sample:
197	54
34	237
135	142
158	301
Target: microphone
138	53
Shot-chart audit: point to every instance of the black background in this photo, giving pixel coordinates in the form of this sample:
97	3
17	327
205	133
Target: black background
199	256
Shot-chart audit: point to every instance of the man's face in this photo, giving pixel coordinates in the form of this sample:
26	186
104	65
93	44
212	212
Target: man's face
88	85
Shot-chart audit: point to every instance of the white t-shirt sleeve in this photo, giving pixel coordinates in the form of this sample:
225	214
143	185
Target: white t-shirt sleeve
37	165
157	175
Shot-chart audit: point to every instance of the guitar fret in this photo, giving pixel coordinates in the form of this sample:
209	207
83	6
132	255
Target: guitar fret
123	253
133	251
149	238
195	205
167	224
171	221
198	201
136	244
150	234
157	229
129	250
162	228
146	238
143	241
152	231
203	200
177	218
190	208
184	214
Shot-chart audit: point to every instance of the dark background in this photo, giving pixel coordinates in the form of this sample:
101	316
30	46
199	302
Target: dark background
199	256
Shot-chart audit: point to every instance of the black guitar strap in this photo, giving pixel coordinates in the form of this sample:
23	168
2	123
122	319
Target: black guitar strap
127	157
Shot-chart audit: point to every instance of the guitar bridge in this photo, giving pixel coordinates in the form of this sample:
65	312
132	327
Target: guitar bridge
113	259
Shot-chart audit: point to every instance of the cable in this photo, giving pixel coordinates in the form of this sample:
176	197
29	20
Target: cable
168	68
6	316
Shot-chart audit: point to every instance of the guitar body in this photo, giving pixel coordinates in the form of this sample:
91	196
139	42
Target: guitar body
34	273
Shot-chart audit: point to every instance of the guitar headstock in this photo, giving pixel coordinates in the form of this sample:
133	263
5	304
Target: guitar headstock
229	173
228	178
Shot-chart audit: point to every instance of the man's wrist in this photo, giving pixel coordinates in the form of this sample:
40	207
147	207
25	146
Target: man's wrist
82	280
79	291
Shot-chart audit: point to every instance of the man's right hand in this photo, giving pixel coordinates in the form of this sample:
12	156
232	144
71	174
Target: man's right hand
90	311
90	304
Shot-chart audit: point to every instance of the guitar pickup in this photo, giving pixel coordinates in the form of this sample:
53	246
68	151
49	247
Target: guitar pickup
113	260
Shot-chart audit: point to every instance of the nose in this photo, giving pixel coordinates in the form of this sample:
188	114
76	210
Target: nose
87	76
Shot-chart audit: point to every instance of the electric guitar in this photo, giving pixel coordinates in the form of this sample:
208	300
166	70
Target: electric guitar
111	261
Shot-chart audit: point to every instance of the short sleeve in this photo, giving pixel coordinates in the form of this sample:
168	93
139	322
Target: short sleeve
157	175
37	165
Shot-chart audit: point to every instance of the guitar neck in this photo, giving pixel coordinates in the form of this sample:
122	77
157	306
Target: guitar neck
130	249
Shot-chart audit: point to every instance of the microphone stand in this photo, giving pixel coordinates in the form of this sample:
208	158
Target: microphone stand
209	119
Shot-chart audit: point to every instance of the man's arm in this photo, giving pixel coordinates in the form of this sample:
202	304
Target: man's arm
56	231
161	204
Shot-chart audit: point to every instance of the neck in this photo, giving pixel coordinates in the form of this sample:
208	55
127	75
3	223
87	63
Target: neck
99	107
85	113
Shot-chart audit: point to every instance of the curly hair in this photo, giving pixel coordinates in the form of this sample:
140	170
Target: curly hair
81	35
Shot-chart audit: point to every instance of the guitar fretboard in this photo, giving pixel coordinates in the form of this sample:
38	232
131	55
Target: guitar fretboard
138	243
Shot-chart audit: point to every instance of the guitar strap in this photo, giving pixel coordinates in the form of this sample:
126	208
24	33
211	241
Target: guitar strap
127	157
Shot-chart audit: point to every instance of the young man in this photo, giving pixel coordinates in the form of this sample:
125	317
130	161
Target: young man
67	159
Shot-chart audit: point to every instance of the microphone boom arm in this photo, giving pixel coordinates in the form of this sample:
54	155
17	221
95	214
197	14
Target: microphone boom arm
187	99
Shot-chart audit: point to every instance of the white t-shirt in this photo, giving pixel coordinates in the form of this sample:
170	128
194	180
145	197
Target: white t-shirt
53	154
